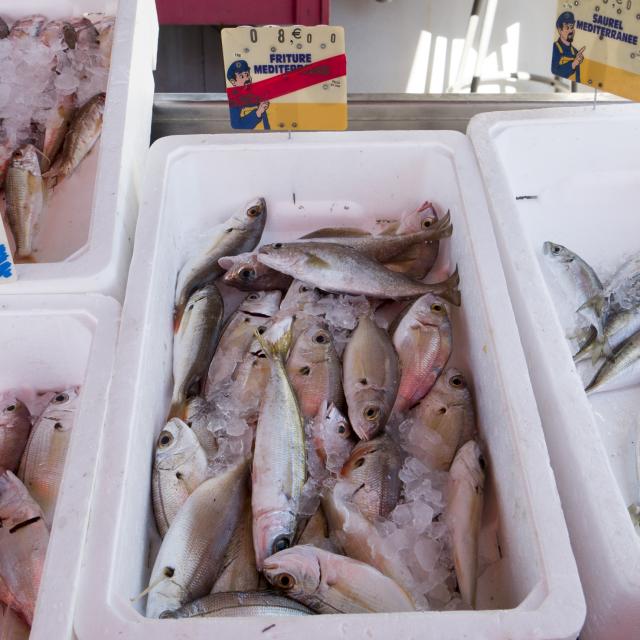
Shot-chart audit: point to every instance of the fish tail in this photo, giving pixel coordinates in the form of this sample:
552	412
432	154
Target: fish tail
443	227
448	289
277	341
596	305
589	344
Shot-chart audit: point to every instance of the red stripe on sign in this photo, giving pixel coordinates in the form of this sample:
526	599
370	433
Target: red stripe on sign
281	85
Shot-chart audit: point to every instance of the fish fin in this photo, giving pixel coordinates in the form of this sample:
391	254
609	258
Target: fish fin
276	342
443	227
589	339
333	232
595	303
315	261
448	289
226	262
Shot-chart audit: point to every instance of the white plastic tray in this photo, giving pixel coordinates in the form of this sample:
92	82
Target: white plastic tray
531	589
86	237
49	343
582	164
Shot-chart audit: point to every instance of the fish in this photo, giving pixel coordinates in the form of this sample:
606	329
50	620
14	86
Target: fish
239	572
42	463
191	553
179	468
86	32
4	29
623	291
314	370
340	269
279	465
332	436
238	334
371	376
56	127
441	422
239	234
372	470
423	340
12	626
247	273
83	132
24	193
360	539
463	516
23	545
331	583
15	425
194	344
198	417
27	27
621	369
298	296
232	604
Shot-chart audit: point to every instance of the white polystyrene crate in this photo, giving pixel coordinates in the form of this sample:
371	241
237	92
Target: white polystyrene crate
582	166
51	343
531	588
86	235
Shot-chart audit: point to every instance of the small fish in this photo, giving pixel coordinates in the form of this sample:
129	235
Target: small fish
194	344
15	425
240	233
179	468
27	27
84	131
298	296
238	334
279	465
232	604
42	463
239	572
4	29
622	369
441	422
246	273
423	340
623	291
464	514
340	269
314	370
24	192
23	546
372	470
370	376
331	583
56	128
332	437
191	553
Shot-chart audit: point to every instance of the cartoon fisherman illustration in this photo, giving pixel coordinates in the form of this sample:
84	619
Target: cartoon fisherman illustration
566	59
248	117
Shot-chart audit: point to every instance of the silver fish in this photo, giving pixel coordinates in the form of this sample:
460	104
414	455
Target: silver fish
232	604
23	546
622	369
423	340
179	468
24	192
190	557
246	273
240	233
441	423
279	465
464	515
194	345
332	437
372	470
370	375
340	269
42	463
15	425
314	370
331	583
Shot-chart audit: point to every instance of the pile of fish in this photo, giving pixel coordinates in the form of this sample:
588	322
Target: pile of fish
33	448
320	456
607	317
53	75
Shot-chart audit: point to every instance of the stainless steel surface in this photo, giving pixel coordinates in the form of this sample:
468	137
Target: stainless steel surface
189	113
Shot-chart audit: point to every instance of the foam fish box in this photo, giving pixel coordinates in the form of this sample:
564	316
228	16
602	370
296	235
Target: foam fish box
86	231
582	166
50	343
529	587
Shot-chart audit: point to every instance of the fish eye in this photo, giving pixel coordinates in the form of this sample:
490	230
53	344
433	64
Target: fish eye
320	338
277	245
11	408
165	439
284	581
303	289
427	223
456	381
555	249
253	296
261	329
437	307
254	212
371	413
280	544
247	274
442	410
60	398
229	230
342	429
358	463
58	427
305	371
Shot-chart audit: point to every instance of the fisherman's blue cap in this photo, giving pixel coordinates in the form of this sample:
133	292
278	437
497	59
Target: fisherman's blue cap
240	66
565	18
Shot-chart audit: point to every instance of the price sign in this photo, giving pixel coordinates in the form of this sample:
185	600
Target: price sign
286	78
597	43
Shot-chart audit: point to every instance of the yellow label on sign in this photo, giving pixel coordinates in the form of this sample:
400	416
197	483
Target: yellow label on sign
597	43
286	78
